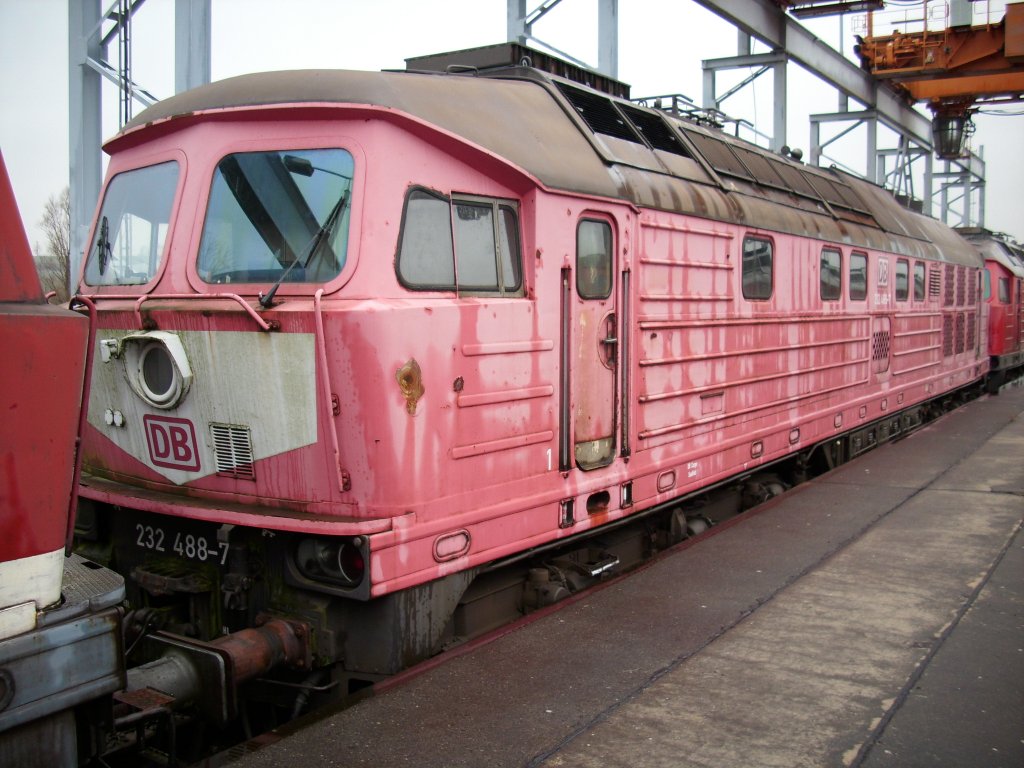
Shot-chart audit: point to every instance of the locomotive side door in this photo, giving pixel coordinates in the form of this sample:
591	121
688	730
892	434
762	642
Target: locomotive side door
595	346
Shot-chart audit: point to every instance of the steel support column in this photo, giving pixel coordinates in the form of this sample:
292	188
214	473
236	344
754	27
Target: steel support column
191	44
84	123
608	37
520	30
764	20
775	61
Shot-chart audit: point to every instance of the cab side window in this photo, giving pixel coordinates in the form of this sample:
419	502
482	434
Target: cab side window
1004	290
426	257
466	244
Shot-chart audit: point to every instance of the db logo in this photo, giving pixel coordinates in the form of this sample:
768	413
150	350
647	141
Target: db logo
172	442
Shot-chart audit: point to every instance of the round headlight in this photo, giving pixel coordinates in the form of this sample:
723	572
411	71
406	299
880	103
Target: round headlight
156	367
158	376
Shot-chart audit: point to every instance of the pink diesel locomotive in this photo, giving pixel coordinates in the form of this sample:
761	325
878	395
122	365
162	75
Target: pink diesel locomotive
386	357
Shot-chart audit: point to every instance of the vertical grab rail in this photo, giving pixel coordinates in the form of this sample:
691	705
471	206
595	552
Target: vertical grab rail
83	415
564	382
344	482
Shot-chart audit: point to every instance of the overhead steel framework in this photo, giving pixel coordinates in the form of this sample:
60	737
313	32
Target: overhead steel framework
91	33
960	195
881	108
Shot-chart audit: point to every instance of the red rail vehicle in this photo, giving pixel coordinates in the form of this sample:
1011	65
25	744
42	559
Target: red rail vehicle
60	639
1004	273
384	357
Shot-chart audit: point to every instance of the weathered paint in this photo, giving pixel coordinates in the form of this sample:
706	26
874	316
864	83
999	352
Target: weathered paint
467	439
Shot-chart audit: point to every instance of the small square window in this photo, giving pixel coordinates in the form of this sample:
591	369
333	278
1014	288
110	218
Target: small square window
831	268
594	259
757	268
919	281
858	276
902	279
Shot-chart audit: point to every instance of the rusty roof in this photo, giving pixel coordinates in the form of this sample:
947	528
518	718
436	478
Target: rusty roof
570	138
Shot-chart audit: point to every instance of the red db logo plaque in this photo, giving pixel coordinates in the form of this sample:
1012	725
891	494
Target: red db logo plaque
172	442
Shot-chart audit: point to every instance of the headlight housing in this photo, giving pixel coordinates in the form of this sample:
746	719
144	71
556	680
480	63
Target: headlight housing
157	368
340	561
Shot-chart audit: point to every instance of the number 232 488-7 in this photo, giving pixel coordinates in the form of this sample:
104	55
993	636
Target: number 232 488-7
185	545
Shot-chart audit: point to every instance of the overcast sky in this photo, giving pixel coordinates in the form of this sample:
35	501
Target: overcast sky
661	46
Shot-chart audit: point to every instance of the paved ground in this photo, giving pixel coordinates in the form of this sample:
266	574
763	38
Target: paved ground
871	618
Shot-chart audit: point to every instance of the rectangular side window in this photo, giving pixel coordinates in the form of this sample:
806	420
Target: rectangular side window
902	279
475	265
508	248
1004	290
426	258
757	268
594	259
831	281
919	281
476	250
858	276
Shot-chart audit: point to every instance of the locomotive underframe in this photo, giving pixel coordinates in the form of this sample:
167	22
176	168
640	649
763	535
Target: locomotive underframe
355	643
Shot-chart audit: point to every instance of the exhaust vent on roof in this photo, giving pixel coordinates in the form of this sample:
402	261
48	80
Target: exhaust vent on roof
599	113
655	130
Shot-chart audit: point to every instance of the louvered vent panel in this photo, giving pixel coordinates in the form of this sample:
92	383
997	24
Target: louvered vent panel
718	153
232	448
795	178
934	282
654	129
599	113
760	167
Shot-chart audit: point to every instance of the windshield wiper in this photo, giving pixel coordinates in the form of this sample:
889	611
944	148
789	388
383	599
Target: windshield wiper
267	300
103	253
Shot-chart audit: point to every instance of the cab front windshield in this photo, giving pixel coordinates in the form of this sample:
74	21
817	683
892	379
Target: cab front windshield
279	216
128	240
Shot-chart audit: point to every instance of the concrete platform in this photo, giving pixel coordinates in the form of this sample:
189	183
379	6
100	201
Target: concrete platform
873	617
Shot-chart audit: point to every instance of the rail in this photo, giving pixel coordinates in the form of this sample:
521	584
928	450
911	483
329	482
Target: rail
263	324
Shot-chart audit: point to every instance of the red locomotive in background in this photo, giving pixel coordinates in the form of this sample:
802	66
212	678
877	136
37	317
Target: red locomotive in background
383	358
1004	274
60	618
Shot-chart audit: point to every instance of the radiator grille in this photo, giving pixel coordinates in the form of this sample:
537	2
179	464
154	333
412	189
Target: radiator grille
961	285
880	351
971	330
947	335
232	448
960	328
947	297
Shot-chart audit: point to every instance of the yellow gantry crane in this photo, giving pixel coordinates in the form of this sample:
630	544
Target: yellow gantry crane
953	70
